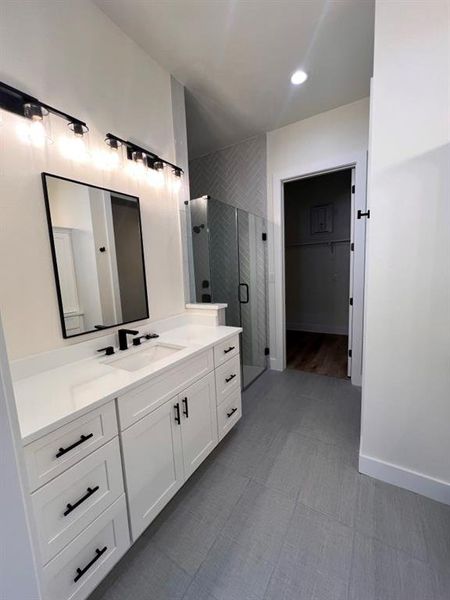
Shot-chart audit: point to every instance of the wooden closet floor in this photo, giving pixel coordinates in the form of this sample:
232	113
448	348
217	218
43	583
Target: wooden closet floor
321	353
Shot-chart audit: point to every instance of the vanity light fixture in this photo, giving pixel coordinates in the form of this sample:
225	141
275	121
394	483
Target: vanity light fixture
144	157
78	127
36	129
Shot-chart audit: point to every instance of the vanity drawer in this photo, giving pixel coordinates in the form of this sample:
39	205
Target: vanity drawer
52	454
228	413
146	398
226	350
228	378
69	503
79	568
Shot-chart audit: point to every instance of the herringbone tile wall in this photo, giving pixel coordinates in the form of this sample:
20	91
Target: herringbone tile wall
235	175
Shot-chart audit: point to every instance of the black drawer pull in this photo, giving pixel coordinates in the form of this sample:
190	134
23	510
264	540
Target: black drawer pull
229	349
81	572
177	413
82	439
231	413
228	379
186	408
71	507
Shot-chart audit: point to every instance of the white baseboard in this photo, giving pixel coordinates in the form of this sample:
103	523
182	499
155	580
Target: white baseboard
404	478
317	328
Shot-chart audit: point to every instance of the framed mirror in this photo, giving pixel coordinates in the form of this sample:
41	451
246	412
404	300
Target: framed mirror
98	255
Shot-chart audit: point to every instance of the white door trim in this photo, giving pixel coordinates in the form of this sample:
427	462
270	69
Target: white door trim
275	211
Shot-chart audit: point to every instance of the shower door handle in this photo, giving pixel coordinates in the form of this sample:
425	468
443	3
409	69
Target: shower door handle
247	295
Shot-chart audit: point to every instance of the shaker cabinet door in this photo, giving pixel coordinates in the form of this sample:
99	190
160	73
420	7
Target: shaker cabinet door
198	422
153	462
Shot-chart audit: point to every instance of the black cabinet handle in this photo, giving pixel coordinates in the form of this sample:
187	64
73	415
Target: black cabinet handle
186	408
81	572
82	439
177	413
229	349
71	507
228	379
231	413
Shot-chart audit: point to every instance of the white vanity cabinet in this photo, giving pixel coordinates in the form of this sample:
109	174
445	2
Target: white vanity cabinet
78	503
164	448
93	477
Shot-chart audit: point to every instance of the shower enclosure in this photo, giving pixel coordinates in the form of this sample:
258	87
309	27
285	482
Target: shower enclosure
229	257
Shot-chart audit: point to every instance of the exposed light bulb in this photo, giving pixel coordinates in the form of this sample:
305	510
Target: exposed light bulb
33	132
107	160
298	77
175	183
136	169
155	178
74	148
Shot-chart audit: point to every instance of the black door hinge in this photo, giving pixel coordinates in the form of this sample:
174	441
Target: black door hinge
351	301
349	353
363	214
266	351
352	246
353	189
264	237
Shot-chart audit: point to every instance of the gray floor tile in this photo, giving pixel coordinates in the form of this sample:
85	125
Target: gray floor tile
243	451
305	583
329	481
334	421
189	531
197	592
443	578
260	517
145	573
283	465
392	515
435	519
318	541
266	514
235	572
380	572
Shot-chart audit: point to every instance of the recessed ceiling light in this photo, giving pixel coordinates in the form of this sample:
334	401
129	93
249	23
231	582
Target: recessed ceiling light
298	77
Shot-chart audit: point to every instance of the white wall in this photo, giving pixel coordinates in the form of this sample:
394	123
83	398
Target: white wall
334	138
406	386
70	55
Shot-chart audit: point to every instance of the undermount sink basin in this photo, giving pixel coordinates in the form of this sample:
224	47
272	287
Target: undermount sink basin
145	357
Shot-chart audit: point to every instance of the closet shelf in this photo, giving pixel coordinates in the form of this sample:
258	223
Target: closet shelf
321	243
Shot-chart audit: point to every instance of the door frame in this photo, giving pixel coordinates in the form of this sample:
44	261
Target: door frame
276	255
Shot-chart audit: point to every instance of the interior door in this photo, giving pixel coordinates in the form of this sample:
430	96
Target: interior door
153	460
199	422
352	254
252	294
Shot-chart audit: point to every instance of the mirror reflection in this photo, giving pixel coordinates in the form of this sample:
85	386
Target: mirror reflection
98	255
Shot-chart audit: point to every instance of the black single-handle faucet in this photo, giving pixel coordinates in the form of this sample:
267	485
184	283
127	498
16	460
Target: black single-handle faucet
122	333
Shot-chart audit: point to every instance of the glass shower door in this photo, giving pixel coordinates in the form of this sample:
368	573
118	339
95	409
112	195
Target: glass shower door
252	294
229	258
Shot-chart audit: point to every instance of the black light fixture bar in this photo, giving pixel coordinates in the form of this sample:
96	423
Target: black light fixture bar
152	158
14	100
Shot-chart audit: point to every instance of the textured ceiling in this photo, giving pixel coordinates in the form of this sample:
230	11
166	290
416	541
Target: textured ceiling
235	58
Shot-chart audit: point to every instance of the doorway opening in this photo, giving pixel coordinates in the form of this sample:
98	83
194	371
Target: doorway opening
318	224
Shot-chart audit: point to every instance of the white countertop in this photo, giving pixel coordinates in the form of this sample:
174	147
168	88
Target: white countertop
51	398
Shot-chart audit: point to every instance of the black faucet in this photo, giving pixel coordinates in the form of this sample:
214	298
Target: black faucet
146	336
122	333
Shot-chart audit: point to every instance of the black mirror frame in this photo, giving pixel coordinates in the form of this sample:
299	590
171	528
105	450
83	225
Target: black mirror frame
44	175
